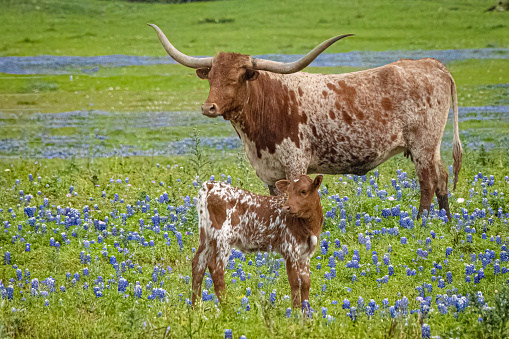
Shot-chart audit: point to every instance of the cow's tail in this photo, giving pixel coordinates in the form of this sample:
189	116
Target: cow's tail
457	150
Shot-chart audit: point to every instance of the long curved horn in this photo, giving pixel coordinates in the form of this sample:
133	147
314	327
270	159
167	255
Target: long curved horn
292	67
180	57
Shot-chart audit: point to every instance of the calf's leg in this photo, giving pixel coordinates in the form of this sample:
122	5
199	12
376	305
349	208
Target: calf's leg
293	279
216	270
199	265
305	281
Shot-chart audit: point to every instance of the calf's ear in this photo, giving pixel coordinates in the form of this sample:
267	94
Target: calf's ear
203	73
318	181
282	185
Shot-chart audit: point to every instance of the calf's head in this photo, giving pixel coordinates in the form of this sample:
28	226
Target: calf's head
303	198
229	74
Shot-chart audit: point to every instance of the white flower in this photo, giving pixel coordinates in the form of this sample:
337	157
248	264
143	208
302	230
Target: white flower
460	200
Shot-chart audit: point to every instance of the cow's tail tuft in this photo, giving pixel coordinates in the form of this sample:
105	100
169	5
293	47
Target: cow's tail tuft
457	150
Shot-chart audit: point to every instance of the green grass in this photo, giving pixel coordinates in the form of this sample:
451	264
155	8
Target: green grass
177	88
98	27
78	313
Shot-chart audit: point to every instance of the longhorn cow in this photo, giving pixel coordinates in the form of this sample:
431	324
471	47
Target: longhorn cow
293	123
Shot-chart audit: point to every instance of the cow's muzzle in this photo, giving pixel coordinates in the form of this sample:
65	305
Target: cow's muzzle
210	110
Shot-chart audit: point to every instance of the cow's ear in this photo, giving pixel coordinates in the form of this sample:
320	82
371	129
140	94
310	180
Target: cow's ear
203	73
251	74
318	181
282	186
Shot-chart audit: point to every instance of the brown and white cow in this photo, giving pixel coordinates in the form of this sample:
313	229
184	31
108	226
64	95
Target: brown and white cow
289	224
296	123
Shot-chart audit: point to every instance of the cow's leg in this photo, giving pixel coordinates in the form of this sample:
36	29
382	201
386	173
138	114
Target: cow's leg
292	270
305	281
428	179
441	190
199	265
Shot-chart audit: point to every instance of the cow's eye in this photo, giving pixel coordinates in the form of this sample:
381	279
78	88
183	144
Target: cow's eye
304	192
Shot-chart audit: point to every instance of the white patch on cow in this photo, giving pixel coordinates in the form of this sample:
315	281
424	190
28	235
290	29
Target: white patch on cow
313	242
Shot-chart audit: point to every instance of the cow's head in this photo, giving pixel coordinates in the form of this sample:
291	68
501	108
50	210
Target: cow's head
229	73
303	198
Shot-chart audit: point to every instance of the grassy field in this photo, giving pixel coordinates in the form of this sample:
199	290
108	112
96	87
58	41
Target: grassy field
101	247
99	27
91	301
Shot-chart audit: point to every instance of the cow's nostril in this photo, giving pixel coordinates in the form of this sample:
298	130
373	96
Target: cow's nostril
209	109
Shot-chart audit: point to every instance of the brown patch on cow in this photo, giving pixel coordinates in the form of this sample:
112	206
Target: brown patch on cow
332	115
235	218
293	98
324	93
347	96
300	92
386	104
332	87
346	117
304	118
315	132
428	99
387	77
394	137
216	207
269	130
415	95
368	143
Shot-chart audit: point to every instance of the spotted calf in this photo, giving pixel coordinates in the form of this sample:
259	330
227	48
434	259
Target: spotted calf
289	224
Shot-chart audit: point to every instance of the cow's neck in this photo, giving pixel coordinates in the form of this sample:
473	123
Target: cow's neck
271	112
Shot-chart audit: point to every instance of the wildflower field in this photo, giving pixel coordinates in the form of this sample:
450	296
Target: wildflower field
100	168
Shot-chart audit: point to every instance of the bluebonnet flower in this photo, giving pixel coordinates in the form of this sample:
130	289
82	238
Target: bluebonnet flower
370	311
375	258
138	290
346	304
386	259
228	334
403	240
288	312
391	270
385	302
441	283
449	277
353	313
272	297
392	311
426	331
496	268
